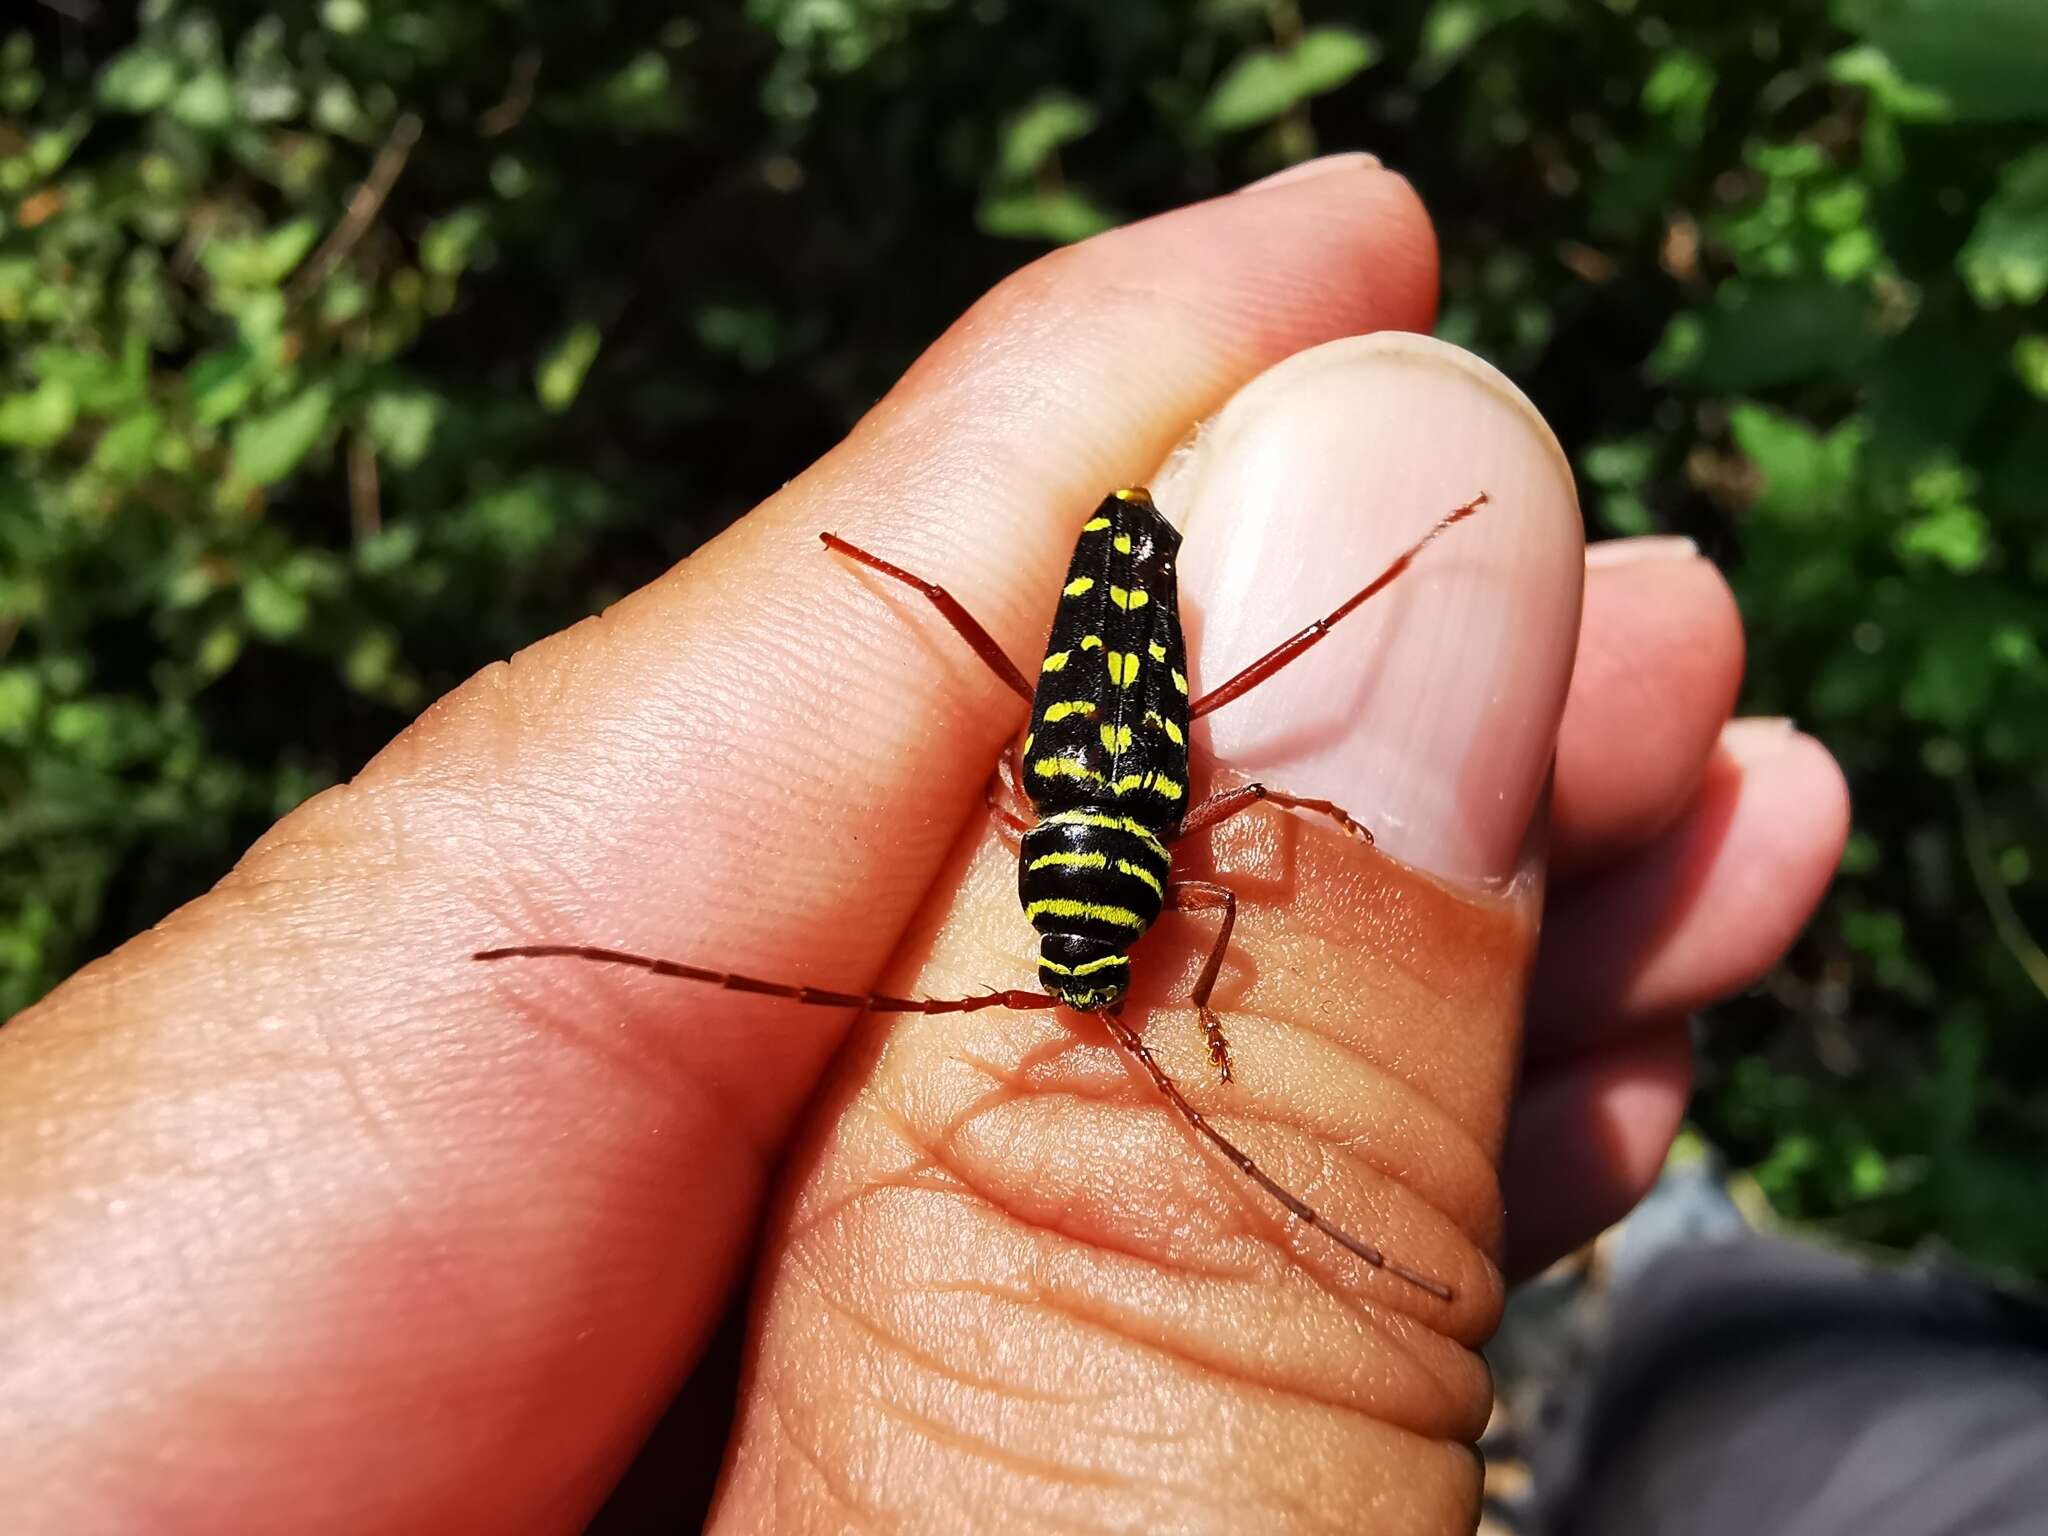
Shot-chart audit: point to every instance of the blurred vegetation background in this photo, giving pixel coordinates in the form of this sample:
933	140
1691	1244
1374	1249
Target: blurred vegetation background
350	345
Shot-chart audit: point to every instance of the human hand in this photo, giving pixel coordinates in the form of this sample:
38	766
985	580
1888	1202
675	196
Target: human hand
310	1214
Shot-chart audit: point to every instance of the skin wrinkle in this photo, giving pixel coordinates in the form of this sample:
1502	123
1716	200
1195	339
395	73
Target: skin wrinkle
1440	1119
1270	1228
1273	859
902	1347
1211	1365
946	1163
1195	1367
813	1458
1260	1226
1382	1079
1040	1468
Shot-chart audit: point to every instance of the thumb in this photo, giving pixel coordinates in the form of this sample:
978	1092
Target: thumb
1005	1276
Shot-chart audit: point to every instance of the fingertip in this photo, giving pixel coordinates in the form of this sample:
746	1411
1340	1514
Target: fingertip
1707	907
1589	1139
1432	713
1659	664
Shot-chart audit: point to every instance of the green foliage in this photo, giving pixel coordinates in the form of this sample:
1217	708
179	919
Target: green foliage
348	347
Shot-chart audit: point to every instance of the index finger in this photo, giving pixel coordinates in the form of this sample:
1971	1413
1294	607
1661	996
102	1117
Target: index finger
289	1160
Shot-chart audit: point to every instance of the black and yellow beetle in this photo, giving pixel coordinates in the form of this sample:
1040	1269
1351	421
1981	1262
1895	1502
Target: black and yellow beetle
1105	768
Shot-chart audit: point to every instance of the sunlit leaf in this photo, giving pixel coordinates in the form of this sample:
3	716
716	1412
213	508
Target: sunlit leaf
1807	475
2005	260
138	80
267	448
1060	214
559	377
1268	82
1988	58
40	417
1035	134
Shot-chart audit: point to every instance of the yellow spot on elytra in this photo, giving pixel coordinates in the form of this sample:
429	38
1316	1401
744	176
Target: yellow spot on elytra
1158	783
1091	642
1054	713
1123	667
1065	768
1095	525
1067	906
1138	871
1156	651
1117	738
1153	717
1129	492
1134	597
1029	737
1123	543
1078	585
1055	661
1180	682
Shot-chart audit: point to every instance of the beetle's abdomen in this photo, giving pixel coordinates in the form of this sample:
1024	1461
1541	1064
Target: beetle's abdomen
1092	880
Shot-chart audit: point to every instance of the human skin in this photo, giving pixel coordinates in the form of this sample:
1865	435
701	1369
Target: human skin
309	1217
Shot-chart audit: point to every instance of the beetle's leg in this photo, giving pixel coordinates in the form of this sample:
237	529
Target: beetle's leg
1300	1208
872	1002
1201	896
1009	774
964	623
1227	803
1292	647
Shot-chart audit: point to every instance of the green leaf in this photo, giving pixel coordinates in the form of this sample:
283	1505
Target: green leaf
560	375
1988	57
40	417
1956	536
264	261
2030	363
269	447
1452	27
127	449
1953	675
2005	260
1873	70
100	383
372	661
221	383
1060	214
1949	527
206	102
139	80
1267	82
1681	87
1759	333
401	423
451	243
275	609
1036	134
1807	476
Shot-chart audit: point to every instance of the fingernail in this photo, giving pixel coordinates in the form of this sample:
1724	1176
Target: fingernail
1757	739
1322	165
1639	551
1431	712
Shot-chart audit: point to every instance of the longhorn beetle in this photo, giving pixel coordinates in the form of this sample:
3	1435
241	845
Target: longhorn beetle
1105	766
